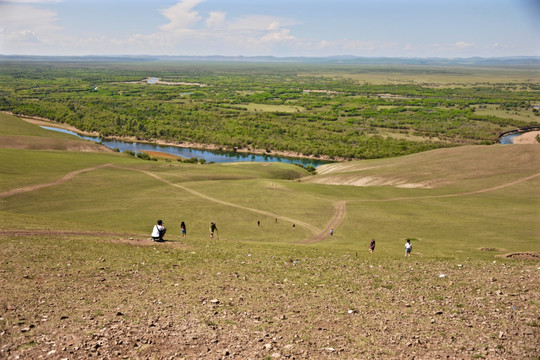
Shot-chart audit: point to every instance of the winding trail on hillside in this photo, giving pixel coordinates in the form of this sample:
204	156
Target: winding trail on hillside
319	235
333	224
226	203
498	187
63	179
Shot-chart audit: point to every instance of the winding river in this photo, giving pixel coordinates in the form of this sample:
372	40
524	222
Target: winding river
188	153
211	155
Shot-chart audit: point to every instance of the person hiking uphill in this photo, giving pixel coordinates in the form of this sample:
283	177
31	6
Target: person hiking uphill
213	227
158	231
408	248
372	246
183	229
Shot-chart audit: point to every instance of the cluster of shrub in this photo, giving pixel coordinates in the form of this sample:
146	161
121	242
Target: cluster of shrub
145	156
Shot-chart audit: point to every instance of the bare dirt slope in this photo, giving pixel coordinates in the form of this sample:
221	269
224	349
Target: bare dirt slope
433	169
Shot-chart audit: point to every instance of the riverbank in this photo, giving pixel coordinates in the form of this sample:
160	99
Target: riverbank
36	120
188	145
527	138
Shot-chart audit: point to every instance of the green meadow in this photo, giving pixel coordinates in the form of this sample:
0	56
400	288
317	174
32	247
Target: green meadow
82	278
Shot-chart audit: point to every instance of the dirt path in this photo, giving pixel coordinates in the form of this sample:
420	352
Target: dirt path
498	187
333	224
65	178
318	234
209	198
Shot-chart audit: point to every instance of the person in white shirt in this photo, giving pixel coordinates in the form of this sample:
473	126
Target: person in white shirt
158	231
408	248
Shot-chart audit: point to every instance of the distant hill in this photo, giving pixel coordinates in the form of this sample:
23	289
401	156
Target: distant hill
345	59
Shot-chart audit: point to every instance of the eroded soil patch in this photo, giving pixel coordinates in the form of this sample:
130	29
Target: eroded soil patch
118	238
529	256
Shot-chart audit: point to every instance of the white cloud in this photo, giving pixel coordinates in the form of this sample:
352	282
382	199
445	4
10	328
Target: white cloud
181	16
216	20
24	27
282	35
463	44
16	18
260	23
32	27
186	33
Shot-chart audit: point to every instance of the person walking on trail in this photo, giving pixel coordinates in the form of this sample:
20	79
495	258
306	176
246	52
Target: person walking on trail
372	246
158	231
408	248
183	229
213	228
331	232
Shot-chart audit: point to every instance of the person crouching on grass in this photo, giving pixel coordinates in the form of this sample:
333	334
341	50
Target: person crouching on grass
158	231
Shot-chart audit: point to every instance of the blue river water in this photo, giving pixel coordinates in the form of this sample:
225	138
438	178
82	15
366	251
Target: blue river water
509	139
188	153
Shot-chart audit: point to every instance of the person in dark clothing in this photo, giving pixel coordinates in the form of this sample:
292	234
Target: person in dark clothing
372	246
183	229
213	228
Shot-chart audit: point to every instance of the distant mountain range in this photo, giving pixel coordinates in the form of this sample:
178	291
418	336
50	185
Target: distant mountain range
492	61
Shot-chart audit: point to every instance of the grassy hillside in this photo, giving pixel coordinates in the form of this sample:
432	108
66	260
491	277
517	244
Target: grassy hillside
466	168
81	278
17	134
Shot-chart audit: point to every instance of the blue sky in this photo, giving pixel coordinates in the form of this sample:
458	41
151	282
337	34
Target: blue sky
391	28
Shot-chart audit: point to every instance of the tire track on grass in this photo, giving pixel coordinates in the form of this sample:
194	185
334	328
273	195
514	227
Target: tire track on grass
63	179
333	224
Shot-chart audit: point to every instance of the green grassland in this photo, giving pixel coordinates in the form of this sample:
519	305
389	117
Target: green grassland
334	111
518	114
81	277
455	179
438	76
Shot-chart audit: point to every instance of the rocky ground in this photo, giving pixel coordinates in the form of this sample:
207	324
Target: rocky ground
70	297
